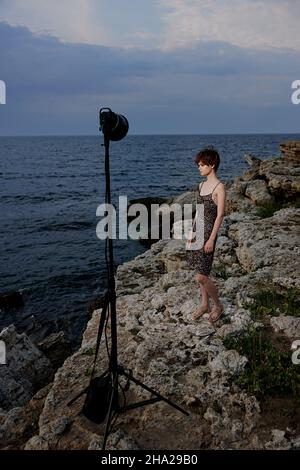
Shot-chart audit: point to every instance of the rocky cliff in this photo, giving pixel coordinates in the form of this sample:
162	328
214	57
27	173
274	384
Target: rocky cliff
194	363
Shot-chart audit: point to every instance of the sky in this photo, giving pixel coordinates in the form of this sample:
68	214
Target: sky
169	66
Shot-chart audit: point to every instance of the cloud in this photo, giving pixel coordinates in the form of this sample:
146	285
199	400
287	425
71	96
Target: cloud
125	23
260	24
163	24
56	87
70	20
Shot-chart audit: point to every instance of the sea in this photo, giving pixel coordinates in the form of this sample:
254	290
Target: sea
50	188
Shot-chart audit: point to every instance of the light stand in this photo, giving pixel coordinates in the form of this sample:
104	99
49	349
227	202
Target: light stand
115	127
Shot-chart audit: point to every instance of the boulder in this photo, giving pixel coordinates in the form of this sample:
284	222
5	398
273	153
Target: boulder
20	423
270	244
282	177
257	191
56	348
251	173
26	370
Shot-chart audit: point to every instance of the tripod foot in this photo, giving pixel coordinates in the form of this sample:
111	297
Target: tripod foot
158	396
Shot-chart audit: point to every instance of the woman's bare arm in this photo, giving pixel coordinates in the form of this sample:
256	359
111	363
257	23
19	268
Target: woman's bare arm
220	212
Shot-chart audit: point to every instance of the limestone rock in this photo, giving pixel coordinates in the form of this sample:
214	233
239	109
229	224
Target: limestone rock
257	191
18	424
26	369
36	443
228	363
282	177
56	348
119	440
251	173
270	244
239	324
173	254
235	200
290	326
278	441
291	150
296	442
143	271
252	160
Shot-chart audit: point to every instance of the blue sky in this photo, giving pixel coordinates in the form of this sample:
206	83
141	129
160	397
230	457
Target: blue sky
170	66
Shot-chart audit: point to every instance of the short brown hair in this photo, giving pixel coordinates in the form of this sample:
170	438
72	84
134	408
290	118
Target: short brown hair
208	156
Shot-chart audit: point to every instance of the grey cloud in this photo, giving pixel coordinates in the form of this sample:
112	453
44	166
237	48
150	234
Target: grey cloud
50	82
44	63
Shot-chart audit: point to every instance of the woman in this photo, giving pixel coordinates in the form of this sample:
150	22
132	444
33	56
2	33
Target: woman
212	195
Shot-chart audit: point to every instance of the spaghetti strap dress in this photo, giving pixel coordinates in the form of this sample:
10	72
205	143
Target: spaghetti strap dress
199	260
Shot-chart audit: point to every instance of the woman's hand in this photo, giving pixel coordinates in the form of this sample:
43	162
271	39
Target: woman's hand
188	242
189	239
209	246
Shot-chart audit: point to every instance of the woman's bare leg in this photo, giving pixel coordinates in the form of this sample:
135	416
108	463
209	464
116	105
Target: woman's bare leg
212	291
204	296
204	306
210	288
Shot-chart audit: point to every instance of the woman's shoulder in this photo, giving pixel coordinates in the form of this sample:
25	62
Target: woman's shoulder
219	189
220	185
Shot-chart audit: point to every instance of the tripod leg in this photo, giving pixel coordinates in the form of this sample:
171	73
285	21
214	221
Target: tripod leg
158	395
110	410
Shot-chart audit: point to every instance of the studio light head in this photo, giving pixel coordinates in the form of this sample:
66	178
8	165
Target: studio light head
114	126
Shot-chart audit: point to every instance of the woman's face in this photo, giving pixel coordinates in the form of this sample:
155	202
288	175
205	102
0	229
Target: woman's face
204	169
